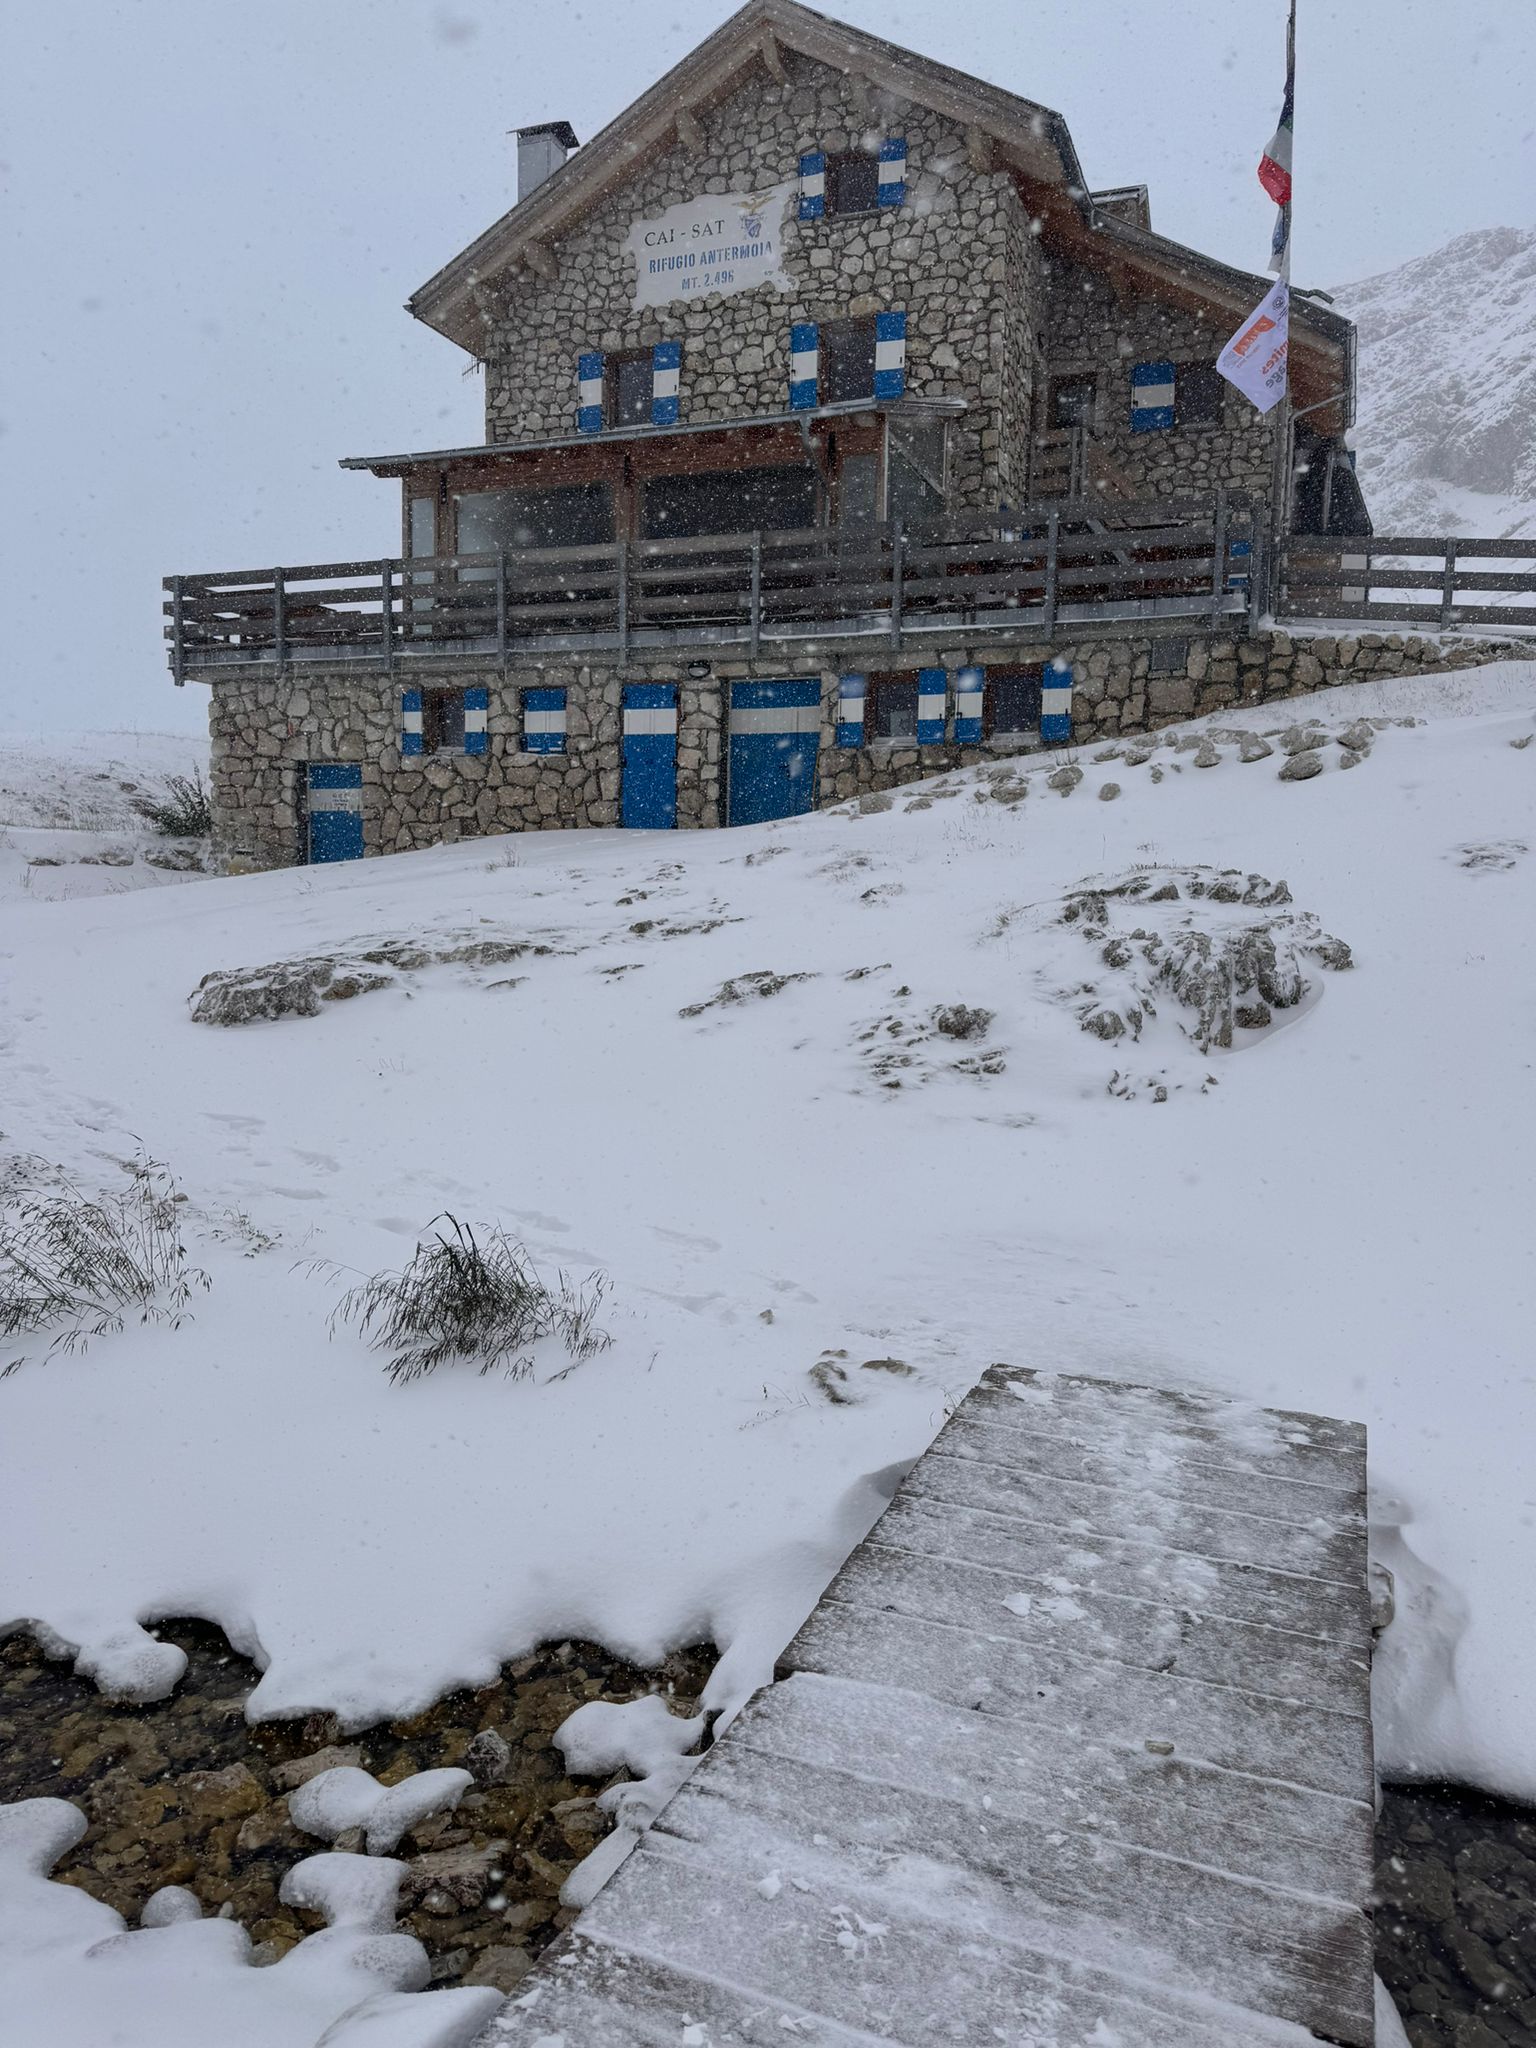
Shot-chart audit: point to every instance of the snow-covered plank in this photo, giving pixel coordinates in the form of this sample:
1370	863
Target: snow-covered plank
1242	1732
1077	1396
1153	1468
1063	1562
1042	1892
987	1601
1320	1550
1054	1778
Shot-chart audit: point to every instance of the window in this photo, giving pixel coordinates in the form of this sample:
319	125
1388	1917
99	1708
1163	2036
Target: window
847	360
775	500
1072	401
570	516
858	491
423	526
1198	394
916	472
629	389
1168	658
442	721
1012	705
893	714
853	183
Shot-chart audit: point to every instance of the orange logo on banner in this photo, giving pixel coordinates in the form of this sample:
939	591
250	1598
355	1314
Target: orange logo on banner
1244	342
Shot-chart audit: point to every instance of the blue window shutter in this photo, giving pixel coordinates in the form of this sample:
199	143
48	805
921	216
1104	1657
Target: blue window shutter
850	711
970	686
813	184
410	721
666	376
890	354
589	387
1151	398
543	721
932	687
1056	700
477	706
804	350
892	189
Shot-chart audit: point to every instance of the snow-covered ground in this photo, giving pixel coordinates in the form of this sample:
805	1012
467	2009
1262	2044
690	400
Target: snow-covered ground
68	826
1332	1215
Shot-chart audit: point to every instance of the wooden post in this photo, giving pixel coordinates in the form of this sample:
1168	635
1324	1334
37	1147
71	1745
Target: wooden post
1052	533
501	608
279	619
1219	557
178	664
1258	571
755	615
896	586
623	597
1448	587
387	616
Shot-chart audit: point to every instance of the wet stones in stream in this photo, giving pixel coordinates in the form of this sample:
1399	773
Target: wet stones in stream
1456	1916
184	1791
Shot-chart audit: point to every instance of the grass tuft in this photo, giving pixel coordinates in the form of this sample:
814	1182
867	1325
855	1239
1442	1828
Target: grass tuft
463	1296
181	810
79	1264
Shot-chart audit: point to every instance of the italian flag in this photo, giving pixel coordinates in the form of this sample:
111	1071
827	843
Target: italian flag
1275	164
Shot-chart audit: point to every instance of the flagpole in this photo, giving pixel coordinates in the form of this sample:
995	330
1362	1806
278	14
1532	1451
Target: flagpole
1285	455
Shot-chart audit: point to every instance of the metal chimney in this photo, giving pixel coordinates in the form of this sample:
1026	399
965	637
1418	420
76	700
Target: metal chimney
540	153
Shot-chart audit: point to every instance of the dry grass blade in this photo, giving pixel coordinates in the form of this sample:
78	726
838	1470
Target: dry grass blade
78	1264
469	1296
181	810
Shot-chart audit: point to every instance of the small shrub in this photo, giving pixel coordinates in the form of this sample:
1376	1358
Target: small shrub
81	1263
181	810
462	1296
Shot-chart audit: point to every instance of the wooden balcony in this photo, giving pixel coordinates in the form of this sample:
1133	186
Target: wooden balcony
1437	581
1059	568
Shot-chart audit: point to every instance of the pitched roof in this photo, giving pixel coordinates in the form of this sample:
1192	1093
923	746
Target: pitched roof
1032	141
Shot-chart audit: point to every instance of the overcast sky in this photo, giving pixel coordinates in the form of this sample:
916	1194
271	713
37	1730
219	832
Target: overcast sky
213	214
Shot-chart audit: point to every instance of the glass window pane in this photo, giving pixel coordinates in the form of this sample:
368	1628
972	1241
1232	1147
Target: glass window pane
632	392
913	498
896	710
1012	704
858	490
569	516
442	721
847	360
853	184
423	527
1072	402
728	501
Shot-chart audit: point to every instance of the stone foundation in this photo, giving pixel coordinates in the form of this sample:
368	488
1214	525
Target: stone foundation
266	729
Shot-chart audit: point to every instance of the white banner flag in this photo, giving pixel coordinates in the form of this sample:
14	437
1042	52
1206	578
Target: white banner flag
1254	359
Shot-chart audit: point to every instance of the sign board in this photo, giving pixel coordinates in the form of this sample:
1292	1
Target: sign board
722	242
1255	358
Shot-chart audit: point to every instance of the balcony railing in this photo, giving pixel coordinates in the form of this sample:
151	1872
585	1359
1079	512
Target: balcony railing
1058	566
1439	581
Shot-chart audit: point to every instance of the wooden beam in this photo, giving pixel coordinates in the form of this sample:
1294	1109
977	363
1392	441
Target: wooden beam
857	89
773	57
540	259
690	130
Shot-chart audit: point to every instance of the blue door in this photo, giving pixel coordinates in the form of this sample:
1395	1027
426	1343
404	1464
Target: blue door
650	756
775	731
335	811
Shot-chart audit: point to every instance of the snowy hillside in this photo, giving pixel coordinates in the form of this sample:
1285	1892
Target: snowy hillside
845	1108
1447	418
69	825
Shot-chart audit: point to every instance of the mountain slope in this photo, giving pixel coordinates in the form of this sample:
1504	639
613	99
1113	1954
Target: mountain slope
1447	415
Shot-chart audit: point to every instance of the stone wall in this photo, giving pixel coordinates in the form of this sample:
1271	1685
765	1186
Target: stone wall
1090	327
957	256
264	730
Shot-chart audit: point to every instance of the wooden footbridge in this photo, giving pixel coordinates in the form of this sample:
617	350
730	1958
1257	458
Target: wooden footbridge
1075	1752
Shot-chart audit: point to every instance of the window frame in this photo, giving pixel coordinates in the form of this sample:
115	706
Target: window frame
614	365
1032	678
879	692
1057	384
864	325
837	163
435	736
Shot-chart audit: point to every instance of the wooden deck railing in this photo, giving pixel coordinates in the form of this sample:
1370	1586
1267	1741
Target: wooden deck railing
1438	580
1059	565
